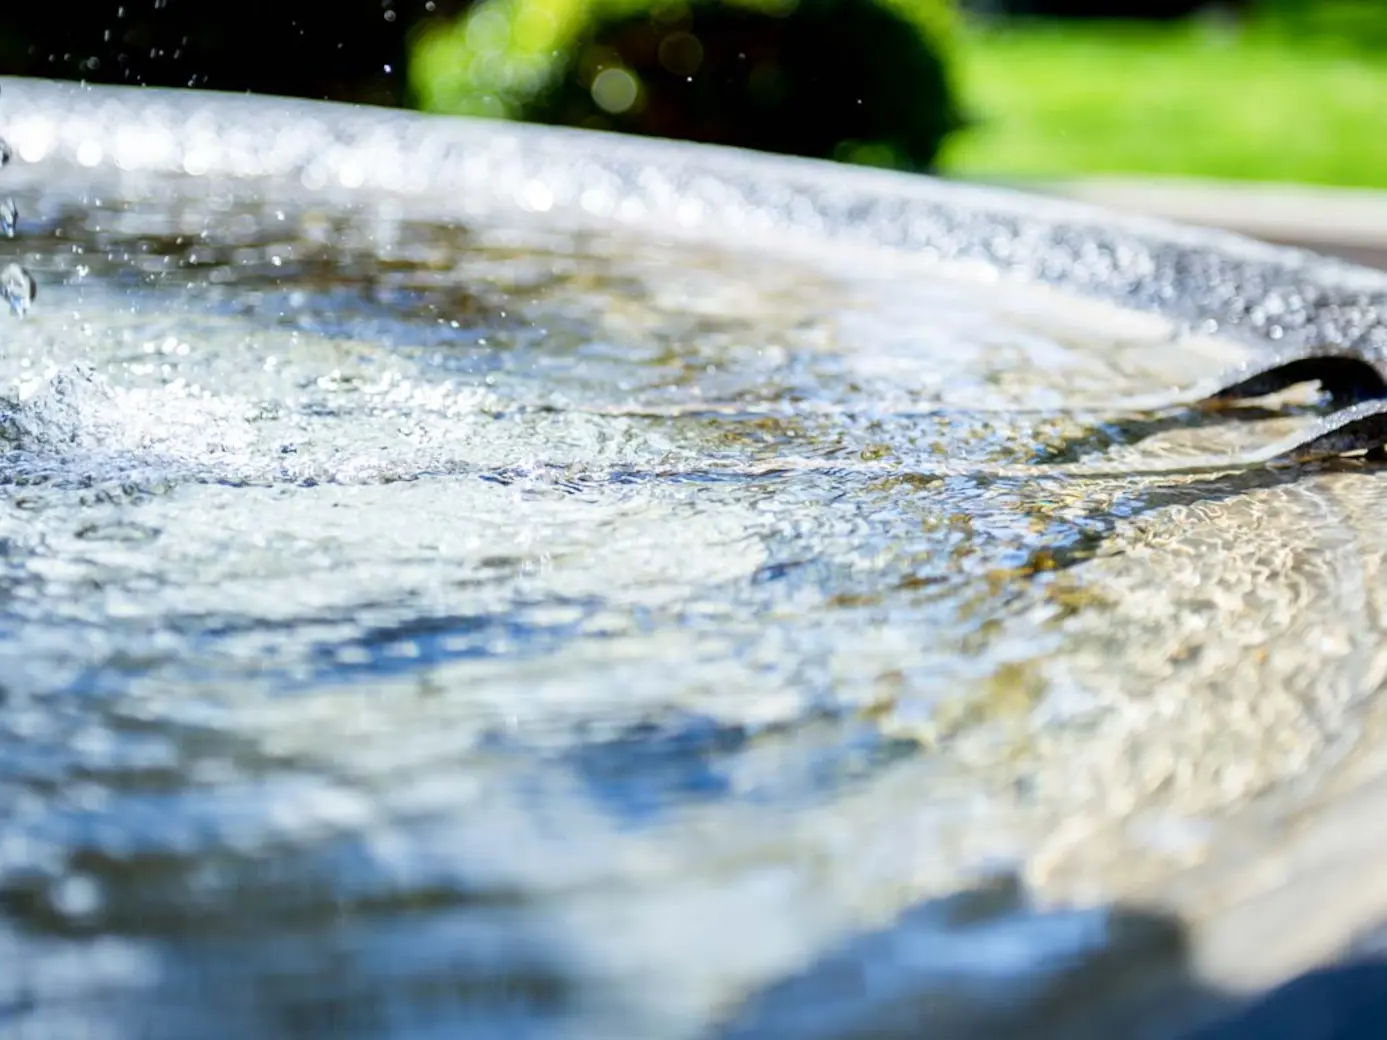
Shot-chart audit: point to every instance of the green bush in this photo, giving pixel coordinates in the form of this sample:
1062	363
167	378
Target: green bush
858	80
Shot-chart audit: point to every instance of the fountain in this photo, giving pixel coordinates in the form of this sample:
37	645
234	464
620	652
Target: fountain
464	579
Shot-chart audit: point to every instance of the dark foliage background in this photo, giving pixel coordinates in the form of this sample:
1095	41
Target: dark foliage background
347	50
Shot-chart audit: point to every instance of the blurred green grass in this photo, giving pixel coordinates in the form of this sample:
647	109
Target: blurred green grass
1184	99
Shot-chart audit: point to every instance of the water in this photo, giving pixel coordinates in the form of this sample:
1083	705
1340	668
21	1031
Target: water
401	632
17	287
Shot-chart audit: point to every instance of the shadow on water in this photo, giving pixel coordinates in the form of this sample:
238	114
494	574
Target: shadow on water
301	935
1344	1002
981	963
435	972
424	643
641	773
984	964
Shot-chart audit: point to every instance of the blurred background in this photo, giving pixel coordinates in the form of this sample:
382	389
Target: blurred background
1204	111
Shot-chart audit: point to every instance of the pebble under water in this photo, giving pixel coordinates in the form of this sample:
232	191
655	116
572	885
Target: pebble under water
402	631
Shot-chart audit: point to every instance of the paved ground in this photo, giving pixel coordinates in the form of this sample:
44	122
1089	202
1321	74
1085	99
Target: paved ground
1348	223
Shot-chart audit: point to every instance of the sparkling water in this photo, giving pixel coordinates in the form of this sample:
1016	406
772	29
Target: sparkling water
408	625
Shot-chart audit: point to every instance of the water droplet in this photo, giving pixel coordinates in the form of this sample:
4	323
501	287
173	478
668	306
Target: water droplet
6	152
9	218
17	288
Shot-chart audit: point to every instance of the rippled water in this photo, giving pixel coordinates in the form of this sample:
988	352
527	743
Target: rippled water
401	629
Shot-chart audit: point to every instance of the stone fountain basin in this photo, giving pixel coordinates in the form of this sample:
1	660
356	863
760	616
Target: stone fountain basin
1143	788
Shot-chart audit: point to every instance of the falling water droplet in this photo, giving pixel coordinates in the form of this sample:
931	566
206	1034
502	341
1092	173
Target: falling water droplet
17	288
6	153
9	217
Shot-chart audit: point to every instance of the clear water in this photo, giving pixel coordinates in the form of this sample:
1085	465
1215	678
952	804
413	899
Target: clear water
401	634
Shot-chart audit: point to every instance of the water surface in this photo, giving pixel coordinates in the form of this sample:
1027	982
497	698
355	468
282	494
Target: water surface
404	628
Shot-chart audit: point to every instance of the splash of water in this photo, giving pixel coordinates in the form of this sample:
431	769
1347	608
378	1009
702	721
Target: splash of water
17	286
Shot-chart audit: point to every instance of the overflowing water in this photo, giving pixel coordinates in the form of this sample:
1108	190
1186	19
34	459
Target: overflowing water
412	626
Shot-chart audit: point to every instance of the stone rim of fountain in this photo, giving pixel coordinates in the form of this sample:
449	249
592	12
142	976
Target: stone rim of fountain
1313	867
